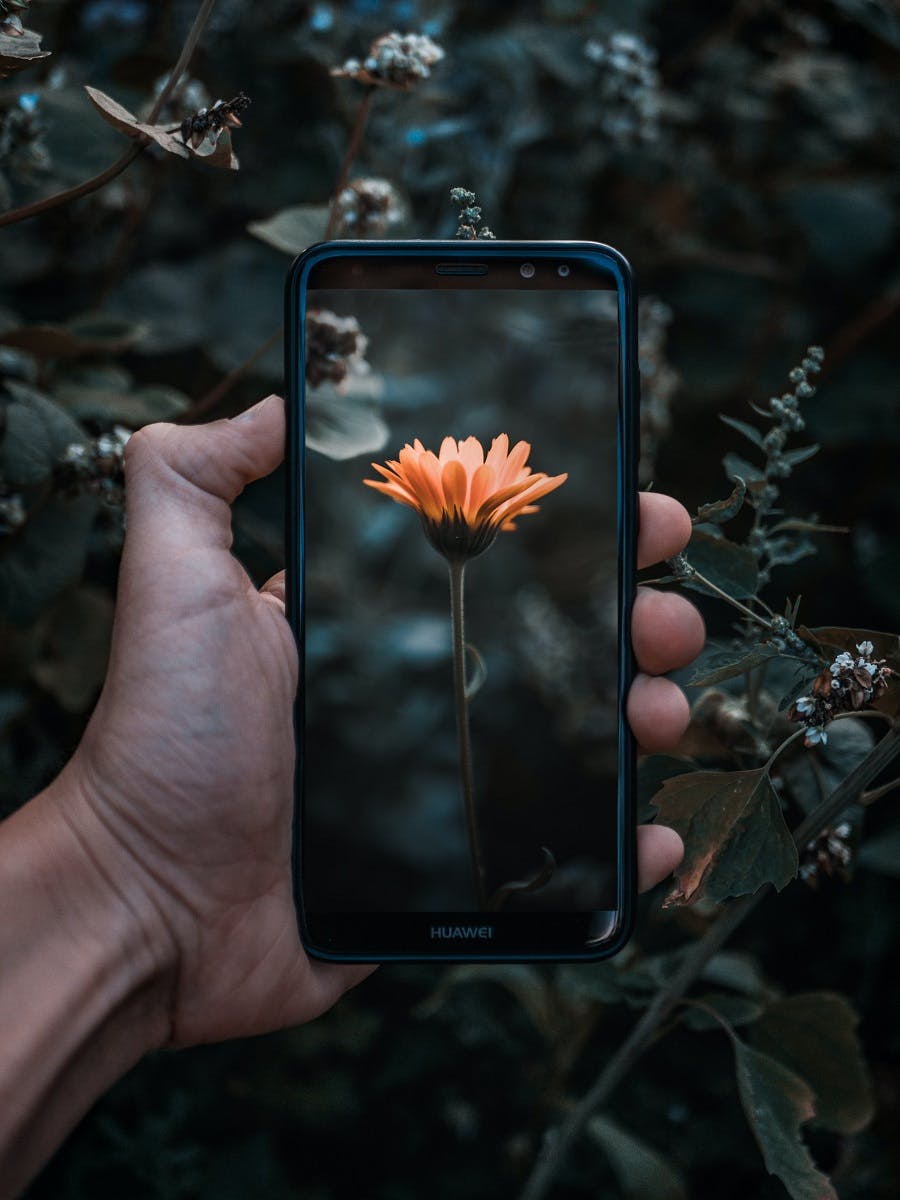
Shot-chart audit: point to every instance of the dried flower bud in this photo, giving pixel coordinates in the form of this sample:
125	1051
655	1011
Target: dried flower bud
97	467
847	685
10	20
335	346
394	60
12	511
629	85
368	208
470	225
829	854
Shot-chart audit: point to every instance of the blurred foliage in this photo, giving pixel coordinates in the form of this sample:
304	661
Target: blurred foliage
744	157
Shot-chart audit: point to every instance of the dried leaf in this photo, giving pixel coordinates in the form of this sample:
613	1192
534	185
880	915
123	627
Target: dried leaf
20	51
126	122
292	229
776	1103
642	1172
814	1035
734	834
720	511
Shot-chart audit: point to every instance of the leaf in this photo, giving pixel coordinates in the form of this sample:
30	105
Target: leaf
738	468
737	663
342	425
651	773
811	775
46	556
776	1103
735	1010
126	122
36	433
731	567
738	970
72	663
781	551
292	229
734	834
105	394
723	510
642	1172
749	431
16	53
801	454
814	1035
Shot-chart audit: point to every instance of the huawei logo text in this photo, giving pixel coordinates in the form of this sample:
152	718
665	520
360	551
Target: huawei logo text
462	931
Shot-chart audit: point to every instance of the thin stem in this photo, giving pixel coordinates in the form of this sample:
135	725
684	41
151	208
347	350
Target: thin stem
362	114
27	211
784	745
457	587
748	612
876	793
557	1145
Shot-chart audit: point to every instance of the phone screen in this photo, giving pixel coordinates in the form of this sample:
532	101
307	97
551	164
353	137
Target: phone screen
461	595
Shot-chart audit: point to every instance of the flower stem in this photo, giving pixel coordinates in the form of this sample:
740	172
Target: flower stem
748	612
457	581
353	146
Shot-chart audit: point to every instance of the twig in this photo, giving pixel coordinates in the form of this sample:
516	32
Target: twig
27	211
362	114
558	1144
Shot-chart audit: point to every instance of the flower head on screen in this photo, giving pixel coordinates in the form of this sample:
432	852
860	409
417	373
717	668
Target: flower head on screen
464	496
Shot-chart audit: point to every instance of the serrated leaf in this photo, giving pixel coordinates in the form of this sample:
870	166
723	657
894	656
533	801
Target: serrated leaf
126	122
742	661
292	229
814	1035
642	1172
749	431
801	454
720	511
735	1010
776	1103
734	834
729	566
652	771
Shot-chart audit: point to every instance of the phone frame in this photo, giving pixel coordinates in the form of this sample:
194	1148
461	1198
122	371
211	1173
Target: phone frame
613	264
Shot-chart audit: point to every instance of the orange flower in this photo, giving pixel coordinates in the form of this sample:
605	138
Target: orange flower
463	496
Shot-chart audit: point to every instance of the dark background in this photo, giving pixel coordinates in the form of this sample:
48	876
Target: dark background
759	210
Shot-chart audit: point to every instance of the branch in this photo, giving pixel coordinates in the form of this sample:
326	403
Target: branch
27	211
558	1143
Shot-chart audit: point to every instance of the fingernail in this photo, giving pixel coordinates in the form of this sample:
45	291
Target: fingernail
249	413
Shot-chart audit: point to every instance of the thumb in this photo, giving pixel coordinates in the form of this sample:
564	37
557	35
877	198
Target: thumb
180	480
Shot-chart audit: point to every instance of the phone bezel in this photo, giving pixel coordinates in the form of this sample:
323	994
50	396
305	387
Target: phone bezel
422	948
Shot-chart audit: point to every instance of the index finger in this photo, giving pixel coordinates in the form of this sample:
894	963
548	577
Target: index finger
665	528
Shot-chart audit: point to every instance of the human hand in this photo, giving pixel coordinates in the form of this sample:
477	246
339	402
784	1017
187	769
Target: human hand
182	785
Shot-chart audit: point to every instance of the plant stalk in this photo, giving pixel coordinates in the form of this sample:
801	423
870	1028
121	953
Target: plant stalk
27	211
362	115
558	1144
457	588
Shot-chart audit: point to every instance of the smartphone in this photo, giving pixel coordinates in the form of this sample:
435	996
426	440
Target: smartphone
461	524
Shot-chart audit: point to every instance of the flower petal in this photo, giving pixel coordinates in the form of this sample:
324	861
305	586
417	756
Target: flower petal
453	479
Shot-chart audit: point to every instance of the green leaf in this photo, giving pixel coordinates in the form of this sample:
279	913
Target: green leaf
45	556
776	1103
814	1035
801	454
735	663
731	567
734	1010
292	229
738	970
343	425
734	834
37	431
738	468
720	511
642	1172
749	431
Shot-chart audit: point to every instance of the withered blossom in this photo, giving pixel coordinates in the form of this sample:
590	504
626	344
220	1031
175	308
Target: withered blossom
10	19
846	685
397	60
829	854
335	346
97	467
368	208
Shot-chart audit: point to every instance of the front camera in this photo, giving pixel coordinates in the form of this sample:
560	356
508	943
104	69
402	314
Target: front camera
562	270
526	270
